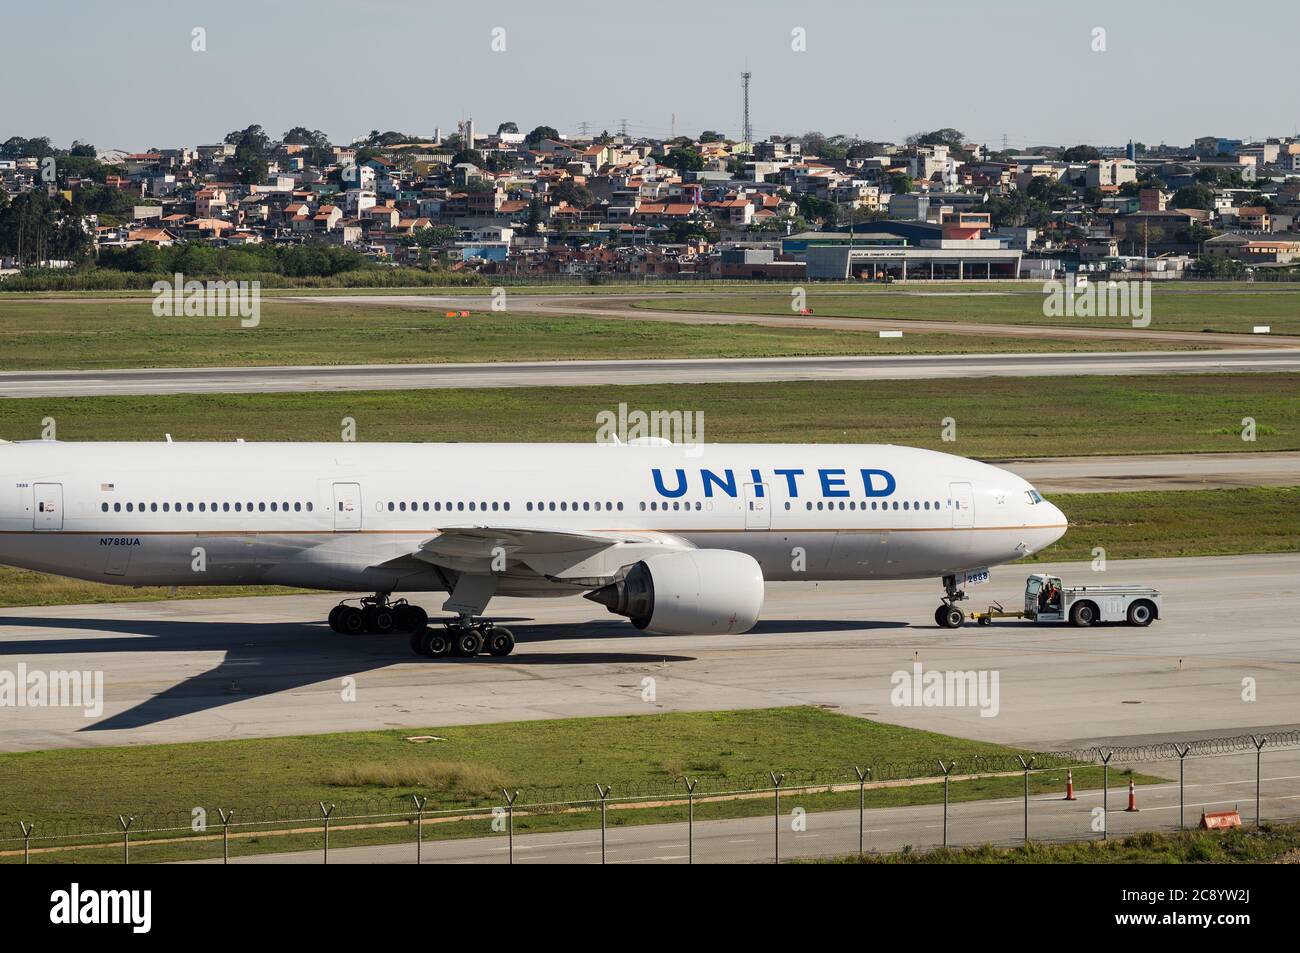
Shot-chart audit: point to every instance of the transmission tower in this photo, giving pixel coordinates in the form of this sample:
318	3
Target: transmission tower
747	132
622	128
583	126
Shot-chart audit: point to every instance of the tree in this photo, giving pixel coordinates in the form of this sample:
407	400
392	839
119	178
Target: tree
16	147
947	136
507	127
1194	196
815	209
318	150
680	233
708	135
1049	190
534	222
573	193
36	227
472	156
1080	153
1015	210
1218	266
254	136
251	145
684	159
537	135
900	183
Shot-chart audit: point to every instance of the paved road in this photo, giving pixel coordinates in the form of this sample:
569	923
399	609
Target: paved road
208	380
1212	784
229	668
1174	471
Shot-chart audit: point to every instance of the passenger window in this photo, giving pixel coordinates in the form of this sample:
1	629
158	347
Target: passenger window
103	507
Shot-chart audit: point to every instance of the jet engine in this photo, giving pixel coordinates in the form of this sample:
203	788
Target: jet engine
696	592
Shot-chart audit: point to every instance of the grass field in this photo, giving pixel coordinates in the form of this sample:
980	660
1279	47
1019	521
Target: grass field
1156	414
80	790
71	333
1274	843
1127	525
1152	525
1172	309
1018	417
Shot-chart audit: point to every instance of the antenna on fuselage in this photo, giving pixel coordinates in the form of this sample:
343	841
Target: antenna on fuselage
168	436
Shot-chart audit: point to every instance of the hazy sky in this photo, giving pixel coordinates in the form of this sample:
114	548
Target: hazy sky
122	74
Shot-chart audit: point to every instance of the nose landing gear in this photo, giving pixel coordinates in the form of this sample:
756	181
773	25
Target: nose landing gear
463	638
377	615
949	615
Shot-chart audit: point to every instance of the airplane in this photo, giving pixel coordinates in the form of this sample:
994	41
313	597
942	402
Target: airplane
678	538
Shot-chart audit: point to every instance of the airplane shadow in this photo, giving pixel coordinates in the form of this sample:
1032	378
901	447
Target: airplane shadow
266	658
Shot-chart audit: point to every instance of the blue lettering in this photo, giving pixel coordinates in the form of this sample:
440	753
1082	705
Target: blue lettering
832	484
760	488
728	485
664	491
869	487
789	480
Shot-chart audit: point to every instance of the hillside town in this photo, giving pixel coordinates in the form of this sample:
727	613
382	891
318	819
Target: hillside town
530	205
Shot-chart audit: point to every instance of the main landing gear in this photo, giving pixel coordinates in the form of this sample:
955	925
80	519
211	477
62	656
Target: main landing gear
463	638
949	615
378	616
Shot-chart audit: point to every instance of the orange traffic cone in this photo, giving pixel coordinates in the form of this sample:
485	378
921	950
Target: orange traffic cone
1069	785
1132	796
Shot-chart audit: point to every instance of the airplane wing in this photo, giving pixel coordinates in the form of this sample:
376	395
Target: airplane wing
570	556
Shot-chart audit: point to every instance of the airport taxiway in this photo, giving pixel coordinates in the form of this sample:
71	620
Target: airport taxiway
625	306
1225	658
343	377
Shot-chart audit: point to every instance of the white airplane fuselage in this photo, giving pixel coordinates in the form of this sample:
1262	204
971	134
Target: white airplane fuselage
353	516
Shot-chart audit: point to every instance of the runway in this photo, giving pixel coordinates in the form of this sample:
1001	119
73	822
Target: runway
237	380
257	667
1171	471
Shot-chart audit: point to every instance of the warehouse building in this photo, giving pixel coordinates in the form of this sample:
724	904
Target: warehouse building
874	251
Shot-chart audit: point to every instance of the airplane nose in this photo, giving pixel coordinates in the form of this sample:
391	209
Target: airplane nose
1056	516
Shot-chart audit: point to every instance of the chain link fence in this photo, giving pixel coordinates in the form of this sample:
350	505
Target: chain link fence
1088	793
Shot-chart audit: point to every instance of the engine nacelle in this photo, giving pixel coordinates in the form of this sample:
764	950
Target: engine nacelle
697	592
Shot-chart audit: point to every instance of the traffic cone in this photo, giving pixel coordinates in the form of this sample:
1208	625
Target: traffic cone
1132	796
1069	785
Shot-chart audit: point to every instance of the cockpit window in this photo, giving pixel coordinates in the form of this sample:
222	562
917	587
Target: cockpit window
1033	496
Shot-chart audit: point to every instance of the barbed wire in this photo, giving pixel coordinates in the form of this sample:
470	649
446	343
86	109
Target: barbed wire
580	797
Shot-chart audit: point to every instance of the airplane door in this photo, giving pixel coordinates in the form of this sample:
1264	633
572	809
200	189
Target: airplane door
758	513
963	505
47	508
347	506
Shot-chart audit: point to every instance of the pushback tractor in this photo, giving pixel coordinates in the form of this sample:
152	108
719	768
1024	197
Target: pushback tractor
1048	601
